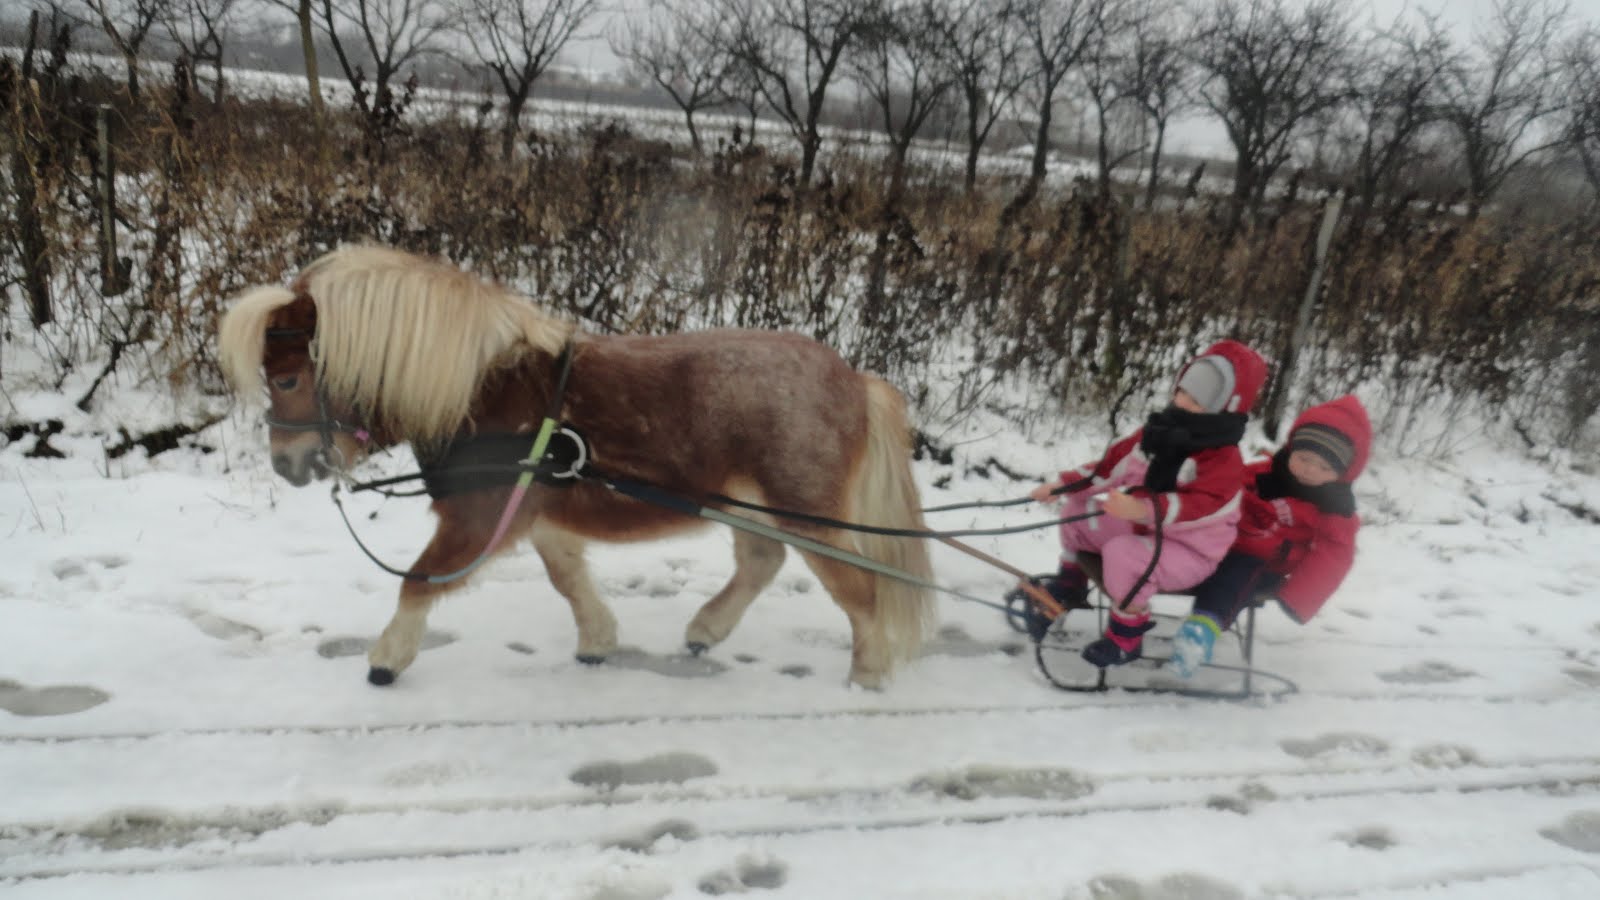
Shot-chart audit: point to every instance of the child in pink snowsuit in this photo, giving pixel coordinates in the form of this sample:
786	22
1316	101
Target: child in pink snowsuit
1183	469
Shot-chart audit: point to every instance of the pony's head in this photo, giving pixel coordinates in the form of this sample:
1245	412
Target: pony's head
267	346
370	347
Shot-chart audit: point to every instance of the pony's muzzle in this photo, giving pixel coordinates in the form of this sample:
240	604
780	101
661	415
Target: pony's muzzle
299	468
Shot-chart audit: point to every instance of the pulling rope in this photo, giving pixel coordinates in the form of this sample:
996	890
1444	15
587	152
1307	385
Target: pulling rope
655	496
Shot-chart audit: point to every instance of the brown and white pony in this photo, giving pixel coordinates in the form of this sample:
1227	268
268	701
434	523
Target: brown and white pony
396	348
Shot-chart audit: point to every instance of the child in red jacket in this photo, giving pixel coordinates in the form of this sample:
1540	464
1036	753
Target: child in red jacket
1183	469
1297	532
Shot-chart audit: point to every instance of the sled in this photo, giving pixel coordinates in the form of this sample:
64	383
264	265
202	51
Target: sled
1231	674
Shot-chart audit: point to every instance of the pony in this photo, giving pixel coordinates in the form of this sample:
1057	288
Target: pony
369	347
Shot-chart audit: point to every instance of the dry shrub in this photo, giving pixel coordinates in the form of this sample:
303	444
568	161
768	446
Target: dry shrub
1071	288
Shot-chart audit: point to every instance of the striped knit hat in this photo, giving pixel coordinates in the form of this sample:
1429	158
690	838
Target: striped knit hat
1327	442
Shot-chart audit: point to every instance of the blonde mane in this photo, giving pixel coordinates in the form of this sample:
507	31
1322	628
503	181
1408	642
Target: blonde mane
402	338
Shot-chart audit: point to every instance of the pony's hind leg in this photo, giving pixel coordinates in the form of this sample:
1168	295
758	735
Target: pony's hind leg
854	590
757	561
562	552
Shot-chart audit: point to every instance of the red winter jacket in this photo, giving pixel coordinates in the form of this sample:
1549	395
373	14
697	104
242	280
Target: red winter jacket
1313	549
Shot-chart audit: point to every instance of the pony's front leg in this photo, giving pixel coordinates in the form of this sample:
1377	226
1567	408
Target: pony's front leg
453	547
562	552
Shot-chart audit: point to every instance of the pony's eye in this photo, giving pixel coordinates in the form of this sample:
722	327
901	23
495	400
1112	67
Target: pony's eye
286	384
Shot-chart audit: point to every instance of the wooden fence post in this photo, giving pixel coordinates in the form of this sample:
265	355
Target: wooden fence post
1290	354
113	271
30	221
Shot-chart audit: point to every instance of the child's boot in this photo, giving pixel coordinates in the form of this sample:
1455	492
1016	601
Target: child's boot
1192	645
1124	640
1069	587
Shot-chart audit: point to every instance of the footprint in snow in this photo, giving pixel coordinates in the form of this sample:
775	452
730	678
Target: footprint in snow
664	768
1249	795
1335	744
748	874
429	774
683	665
336	648
953	640
799	670
680	830
1427	672
1445	756
817	637
1177	886
1579	831
1371	838
648	890
977	782
1584	676
77	566
56	700
221	628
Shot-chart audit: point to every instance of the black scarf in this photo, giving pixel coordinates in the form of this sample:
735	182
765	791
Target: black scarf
1335	498
1173	435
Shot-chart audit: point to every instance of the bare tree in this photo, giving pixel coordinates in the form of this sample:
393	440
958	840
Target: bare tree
1397	95
678	48
1058	33
900	66
1104	62
1580	67
517	40
128	23
304	12
390	34
984	46
1497	99
1269	70
791	50
1156	75
197	27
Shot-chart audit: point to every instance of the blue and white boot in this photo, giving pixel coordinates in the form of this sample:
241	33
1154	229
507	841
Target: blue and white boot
1191	646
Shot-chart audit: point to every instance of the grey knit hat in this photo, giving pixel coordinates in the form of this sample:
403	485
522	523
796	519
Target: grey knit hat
1209	380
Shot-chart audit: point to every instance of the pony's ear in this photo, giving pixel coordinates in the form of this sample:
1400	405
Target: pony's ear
242	335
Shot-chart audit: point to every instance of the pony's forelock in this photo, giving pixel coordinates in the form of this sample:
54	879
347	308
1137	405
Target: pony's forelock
241	336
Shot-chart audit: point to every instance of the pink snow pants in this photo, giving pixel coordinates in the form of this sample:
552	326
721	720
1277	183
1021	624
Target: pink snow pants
1186	558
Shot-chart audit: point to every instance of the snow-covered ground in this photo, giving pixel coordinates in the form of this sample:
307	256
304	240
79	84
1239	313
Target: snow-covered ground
184	713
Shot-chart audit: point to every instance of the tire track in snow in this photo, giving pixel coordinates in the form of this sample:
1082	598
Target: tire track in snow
1185	791
1112	699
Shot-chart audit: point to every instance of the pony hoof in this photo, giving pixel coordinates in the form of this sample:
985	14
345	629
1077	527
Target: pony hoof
698	647
590	659
380	676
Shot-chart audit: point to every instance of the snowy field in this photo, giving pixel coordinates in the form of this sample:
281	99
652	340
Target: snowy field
184	712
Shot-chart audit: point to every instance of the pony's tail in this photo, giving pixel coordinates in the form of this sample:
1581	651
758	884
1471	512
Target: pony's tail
884	494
